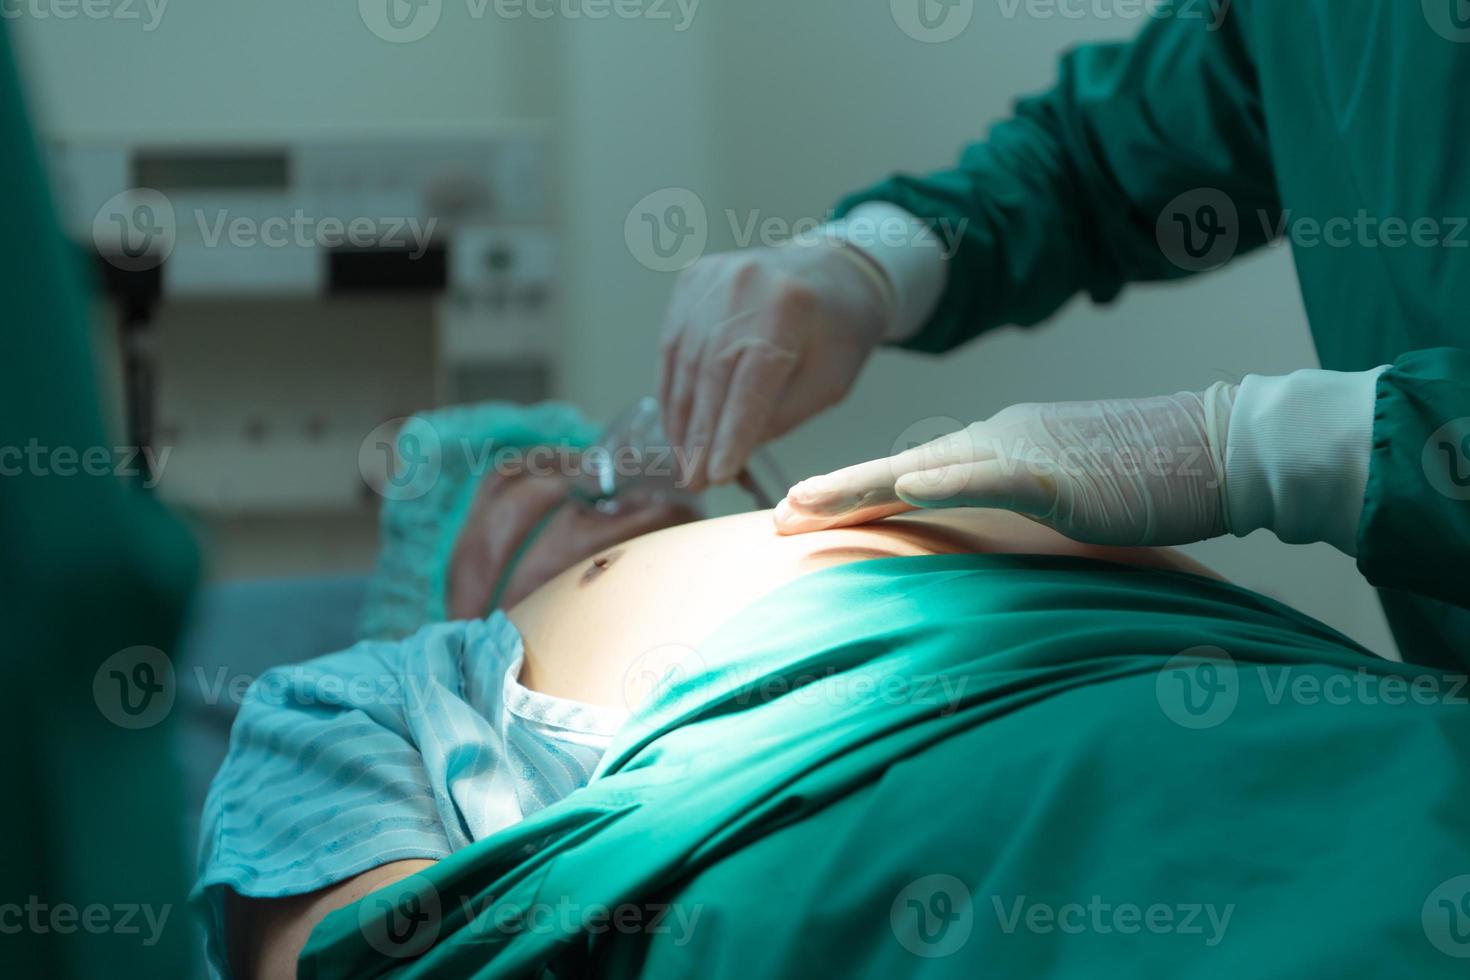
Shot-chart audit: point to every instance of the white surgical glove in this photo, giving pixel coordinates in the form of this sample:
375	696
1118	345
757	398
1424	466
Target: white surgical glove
1147	471
758	341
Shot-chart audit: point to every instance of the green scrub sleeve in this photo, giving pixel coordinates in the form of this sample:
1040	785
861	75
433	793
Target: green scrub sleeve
1414	537
92	569
1066	196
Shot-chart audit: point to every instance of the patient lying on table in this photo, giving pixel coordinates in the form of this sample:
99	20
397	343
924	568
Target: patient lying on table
356	769
634	726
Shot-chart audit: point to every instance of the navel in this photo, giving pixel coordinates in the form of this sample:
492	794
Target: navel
599	565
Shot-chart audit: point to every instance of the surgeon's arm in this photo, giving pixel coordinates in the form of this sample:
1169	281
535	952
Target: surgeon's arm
266	935
1414	538
1067	195
1376	463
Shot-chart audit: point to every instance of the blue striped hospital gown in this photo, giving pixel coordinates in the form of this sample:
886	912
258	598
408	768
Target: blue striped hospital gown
386	752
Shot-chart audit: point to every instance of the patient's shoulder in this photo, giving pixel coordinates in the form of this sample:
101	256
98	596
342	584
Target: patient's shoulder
265	936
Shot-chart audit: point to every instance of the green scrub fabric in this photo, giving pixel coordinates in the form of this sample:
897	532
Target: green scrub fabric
1338	127
1191	779
90	566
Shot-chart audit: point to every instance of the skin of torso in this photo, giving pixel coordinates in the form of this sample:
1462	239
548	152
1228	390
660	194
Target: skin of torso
595	628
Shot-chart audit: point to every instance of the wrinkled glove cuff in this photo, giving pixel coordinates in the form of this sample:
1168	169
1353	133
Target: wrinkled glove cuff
910	255
1296	458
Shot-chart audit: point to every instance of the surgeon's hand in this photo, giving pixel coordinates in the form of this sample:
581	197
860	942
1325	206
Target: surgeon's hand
1131	472
758	341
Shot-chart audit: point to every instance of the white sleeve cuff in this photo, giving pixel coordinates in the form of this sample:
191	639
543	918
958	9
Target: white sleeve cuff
910	255
1296	459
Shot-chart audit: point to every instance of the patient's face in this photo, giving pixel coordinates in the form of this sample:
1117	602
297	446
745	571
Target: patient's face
507	508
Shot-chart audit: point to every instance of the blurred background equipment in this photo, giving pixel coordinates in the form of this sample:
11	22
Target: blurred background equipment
277	298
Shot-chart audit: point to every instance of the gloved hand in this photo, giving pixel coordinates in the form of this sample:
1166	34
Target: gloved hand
1128	472
758	341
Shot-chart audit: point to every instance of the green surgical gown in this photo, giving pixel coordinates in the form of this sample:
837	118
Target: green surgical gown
91	567
1342	123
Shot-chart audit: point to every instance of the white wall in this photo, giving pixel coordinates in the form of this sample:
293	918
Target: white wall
272	64
278	66
761	106
635	117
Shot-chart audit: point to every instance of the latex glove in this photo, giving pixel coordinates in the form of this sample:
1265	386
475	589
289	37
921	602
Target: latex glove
1130	472
758	341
